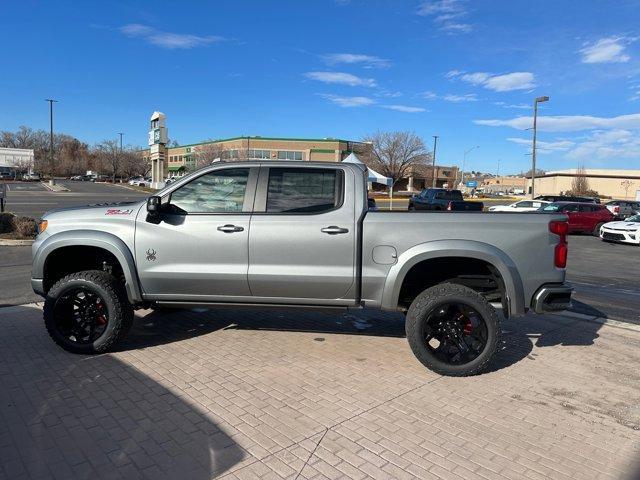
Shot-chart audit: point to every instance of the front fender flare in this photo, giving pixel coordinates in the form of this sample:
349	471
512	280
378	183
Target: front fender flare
90	238
455	248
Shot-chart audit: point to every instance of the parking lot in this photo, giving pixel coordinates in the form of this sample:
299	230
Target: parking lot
236	393
32	199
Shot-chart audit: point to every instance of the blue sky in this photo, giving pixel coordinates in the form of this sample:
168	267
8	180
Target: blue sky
467	71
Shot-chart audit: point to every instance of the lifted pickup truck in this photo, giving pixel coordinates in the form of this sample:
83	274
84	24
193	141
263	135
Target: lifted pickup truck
297	234
443	199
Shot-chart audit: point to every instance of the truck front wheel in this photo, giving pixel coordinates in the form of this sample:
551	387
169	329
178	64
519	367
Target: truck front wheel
87	312
453	330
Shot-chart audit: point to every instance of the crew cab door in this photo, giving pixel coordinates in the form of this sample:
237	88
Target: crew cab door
196	248
302	241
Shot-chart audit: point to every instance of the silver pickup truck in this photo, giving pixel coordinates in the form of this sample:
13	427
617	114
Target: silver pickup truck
297	234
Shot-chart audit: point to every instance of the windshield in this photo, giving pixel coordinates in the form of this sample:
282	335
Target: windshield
633	219
551	208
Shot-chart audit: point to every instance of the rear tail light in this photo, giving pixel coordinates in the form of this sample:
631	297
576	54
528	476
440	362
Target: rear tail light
562	248
616	209
450	206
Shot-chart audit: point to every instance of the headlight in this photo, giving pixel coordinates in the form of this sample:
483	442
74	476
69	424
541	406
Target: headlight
42	226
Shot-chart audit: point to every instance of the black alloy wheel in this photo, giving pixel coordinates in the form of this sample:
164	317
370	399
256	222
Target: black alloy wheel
455	333
80	316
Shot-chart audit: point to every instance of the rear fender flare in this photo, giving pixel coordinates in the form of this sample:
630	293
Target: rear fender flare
455	248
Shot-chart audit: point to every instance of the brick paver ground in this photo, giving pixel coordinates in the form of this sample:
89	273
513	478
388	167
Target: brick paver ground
245	394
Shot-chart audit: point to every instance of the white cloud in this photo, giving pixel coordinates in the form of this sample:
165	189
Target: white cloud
356	58
348	101
168	39
404	108
457	27
469	97
608	145
341	78
449	97
498	83
521	106
542	146
446	14
605	50
428	95
438	7
568	123
388	94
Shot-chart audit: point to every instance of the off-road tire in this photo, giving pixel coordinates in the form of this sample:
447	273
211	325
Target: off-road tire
120	311
451	293
596	230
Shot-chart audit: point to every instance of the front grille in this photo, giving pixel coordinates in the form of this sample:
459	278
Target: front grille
612	236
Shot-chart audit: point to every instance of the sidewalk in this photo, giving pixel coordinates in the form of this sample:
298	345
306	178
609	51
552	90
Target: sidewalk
246	394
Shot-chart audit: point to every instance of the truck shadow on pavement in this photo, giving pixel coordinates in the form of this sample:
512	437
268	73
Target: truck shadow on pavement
75	416
520	335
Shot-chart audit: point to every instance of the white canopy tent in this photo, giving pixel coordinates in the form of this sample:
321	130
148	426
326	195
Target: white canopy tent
372	175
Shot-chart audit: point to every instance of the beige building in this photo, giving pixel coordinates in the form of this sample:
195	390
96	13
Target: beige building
184	158
504	184
421	176
619	184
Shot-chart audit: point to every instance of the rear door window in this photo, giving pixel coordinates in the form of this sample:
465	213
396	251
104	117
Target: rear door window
304	190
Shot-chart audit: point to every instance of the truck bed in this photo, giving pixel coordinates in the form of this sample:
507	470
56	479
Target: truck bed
521	240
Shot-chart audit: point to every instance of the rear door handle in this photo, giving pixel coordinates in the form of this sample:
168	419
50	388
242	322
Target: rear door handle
333	230
230	228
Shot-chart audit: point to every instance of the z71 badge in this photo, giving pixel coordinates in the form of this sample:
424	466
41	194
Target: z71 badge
117	211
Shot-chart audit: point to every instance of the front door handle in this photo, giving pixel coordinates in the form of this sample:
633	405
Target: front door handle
333	230
230	228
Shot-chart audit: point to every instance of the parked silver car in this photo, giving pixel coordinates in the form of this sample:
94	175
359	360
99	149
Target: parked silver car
623	208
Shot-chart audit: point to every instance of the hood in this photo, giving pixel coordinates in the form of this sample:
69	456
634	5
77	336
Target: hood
98	211
621	225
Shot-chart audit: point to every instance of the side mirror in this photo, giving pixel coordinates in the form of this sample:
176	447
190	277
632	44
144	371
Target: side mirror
153	205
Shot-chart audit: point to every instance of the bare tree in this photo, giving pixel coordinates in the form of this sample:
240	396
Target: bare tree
133	163
626	184
580	183
108	152
206	154
395	154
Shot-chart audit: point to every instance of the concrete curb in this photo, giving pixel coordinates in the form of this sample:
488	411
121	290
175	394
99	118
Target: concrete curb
15	243
611	322
55	188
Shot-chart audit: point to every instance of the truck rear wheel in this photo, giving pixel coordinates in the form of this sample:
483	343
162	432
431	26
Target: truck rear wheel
87	312
453	330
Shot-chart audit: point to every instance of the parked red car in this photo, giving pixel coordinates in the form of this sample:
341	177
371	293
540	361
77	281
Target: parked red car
583	217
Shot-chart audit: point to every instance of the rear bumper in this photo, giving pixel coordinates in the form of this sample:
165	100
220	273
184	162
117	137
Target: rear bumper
552	298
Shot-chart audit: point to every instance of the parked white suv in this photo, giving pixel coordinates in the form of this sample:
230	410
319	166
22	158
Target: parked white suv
521	206
139	181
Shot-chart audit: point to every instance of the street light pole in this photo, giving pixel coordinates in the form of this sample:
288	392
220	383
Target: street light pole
533	152
121	134
435	145
51	102
464	161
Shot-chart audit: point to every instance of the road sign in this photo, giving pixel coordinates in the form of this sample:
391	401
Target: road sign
472	184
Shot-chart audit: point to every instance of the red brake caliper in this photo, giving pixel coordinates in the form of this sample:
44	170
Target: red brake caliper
468	326
102	319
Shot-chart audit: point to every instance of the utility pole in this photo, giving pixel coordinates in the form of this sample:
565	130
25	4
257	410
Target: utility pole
533	152
121	134
51	102
435	170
